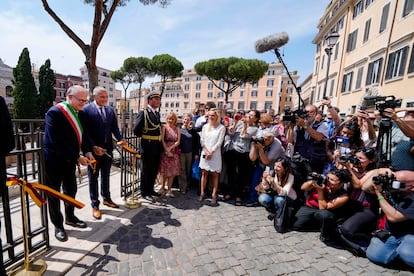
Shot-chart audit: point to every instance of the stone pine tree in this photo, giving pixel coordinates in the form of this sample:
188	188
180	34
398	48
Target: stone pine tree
167	67
24	92
47	92
103	12
232	72
140	67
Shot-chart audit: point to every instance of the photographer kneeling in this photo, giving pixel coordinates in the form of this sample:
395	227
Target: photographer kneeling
274	189
396	241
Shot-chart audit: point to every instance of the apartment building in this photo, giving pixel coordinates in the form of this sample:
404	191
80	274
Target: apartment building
6	85
272	92
373	54
63	82
104	80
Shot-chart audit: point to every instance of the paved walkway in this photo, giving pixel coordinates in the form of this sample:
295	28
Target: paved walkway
185	237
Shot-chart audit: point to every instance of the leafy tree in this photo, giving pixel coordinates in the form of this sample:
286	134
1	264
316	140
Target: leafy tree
104	10
47	92
24	93
232	71
166	67
140	67
125	79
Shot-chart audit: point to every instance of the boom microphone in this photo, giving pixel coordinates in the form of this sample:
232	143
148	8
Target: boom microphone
271	42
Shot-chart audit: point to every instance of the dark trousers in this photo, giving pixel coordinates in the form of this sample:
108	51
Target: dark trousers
239	172
103	167
61	175
151	153
307	218
360	225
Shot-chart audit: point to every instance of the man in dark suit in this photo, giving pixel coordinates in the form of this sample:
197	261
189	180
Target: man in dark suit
6	146
148	127
62	148
100	122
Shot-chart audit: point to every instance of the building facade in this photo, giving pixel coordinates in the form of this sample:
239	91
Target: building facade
272	92
104	80
373	55
6	85
63	82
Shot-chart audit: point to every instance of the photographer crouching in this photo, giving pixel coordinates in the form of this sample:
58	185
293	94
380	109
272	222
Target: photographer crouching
394	191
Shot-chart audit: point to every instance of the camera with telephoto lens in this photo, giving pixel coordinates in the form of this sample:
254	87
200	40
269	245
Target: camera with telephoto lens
319	178
353	159
388	182
258	140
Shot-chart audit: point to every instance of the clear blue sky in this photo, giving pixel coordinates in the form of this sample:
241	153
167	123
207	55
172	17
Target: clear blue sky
190	30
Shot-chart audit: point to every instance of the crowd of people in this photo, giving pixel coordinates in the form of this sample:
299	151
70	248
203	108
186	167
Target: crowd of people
336	175
327	169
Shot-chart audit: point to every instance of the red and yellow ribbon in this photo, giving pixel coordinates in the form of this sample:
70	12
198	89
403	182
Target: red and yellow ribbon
93	165
129	149
33	189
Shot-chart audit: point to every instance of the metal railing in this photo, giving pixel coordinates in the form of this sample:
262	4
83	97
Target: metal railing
26	162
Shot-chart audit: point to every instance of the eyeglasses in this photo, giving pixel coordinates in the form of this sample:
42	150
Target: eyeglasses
80	100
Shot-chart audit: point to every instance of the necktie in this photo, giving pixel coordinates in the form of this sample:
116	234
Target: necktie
157	114
102	113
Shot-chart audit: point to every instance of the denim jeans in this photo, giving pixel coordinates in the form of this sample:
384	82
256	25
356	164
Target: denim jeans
271	202
384	252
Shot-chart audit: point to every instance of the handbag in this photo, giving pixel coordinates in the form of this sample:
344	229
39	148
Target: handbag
195	170
282	218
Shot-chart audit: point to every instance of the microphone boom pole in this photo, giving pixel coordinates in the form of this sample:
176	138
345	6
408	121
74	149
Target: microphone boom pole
298	89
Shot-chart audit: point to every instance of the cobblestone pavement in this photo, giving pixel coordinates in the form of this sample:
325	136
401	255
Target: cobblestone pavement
185	237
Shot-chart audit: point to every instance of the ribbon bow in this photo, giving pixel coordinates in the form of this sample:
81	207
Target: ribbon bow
33	189
129	149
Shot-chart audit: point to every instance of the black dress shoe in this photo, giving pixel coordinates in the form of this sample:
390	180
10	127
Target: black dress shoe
61	235
76	223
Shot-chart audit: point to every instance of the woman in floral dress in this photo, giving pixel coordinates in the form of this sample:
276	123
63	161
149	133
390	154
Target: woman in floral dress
170	159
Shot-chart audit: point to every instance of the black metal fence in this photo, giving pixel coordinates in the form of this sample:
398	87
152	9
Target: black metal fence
130	166
24	162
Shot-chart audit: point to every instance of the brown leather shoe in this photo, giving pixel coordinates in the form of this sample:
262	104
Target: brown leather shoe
110	204
96	213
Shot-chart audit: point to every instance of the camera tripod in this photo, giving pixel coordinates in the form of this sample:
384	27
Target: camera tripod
384	144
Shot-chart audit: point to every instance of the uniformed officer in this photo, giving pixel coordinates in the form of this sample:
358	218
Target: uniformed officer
148	127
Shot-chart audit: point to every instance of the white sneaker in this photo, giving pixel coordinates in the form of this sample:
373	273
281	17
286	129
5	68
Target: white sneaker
170	194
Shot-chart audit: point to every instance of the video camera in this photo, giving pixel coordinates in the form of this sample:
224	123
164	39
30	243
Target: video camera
319	178
291	116
388	182
384	102
353	159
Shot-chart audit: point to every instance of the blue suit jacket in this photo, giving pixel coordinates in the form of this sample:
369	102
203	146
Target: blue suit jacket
98	132
60	141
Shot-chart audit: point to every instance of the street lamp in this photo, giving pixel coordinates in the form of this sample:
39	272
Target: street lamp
331	40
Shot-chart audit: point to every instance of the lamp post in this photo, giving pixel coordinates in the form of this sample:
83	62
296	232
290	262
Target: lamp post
331	40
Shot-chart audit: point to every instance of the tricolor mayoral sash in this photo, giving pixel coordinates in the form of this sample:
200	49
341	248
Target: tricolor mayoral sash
73	119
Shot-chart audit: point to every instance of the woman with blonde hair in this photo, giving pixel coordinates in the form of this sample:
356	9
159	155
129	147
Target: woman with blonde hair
170	159
211	139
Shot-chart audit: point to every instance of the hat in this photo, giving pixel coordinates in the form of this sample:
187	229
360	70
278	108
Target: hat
153	94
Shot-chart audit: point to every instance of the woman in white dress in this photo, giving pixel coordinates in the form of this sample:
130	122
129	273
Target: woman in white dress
212	136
